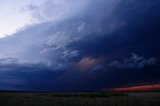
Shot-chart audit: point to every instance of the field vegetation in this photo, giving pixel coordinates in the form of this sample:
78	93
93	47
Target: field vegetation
80	99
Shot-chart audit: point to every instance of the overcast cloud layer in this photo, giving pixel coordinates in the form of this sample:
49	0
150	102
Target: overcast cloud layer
84	45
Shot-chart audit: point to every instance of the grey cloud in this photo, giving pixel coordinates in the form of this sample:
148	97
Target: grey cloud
29	7
67	34
71	53
81	27
134	61
8	61
59	39
58	10
98	68
48	42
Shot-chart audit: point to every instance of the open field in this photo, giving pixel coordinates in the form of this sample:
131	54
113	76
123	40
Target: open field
80	99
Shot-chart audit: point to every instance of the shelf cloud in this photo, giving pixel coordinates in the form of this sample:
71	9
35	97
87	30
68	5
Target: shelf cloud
79	45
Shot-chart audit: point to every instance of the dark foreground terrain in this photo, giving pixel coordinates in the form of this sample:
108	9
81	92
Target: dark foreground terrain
80	99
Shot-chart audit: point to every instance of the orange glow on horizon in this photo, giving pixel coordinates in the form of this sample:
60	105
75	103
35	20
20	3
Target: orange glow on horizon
139	88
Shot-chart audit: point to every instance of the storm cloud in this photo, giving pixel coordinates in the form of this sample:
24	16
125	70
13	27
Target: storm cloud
79	45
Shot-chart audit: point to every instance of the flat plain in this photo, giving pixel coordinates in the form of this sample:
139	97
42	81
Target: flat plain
80	99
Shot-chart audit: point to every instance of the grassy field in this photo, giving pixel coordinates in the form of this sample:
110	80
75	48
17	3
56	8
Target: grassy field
80	99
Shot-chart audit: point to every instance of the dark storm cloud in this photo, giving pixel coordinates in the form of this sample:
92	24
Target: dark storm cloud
75	53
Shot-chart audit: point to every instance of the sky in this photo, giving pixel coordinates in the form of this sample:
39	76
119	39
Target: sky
14	16
79	45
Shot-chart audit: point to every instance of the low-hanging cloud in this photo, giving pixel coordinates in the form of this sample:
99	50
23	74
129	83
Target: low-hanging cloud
134	61
76	40
47	41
